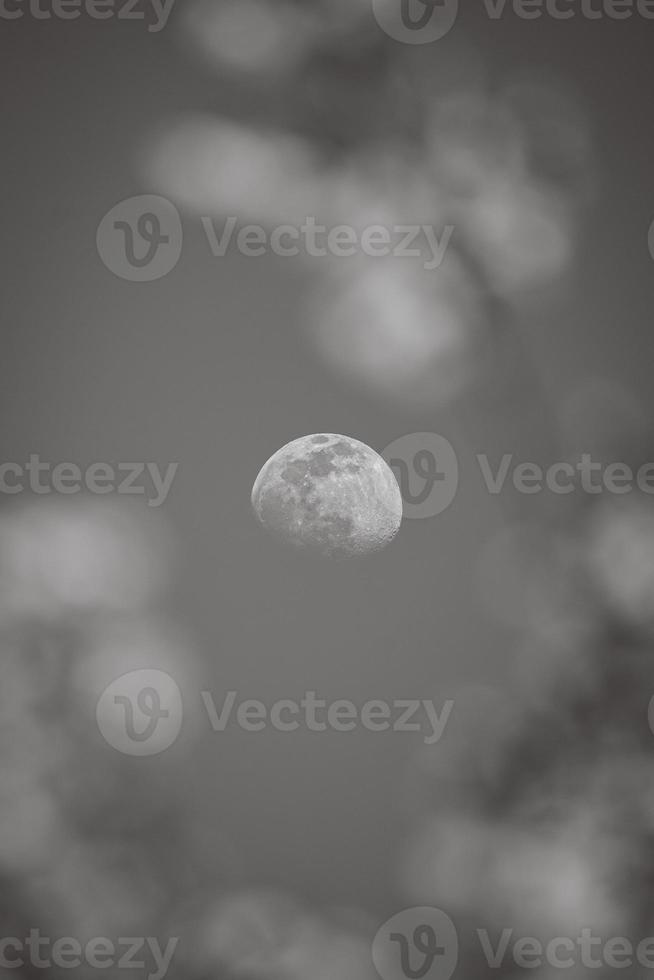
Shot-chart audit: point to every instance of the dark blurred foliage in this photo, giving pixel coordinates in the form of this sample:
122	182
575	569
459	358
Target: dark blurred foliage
344	124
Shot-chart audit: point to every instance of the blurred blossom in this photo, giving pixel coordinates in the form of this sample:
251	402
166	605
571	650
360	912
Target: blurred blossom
58	558
324	953
547	880
263	933
34	756
251	35
211	165
267	36
382	186
120	646
520	233
250	932
620	556
482	151
411	334
474	142
556	659
556	132
553	880
244	931
99	888
446	862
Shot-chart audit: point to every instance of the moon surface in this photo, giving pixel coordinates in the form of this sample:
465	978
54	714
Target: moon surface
330	495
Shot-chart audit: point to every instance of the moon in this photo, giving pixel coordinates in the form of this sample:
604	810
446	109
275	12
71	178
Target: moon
330	495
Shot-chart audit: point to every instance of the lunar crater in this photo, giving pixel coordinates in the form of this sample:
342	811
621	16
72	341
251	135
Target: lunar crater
329	494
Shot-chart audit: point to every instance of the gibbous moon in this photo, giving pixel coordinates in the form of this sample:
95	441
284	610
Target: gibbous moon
330	495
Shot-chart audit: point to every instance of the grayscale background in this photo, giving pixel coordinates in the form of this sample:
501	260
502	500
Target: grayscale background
532	613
